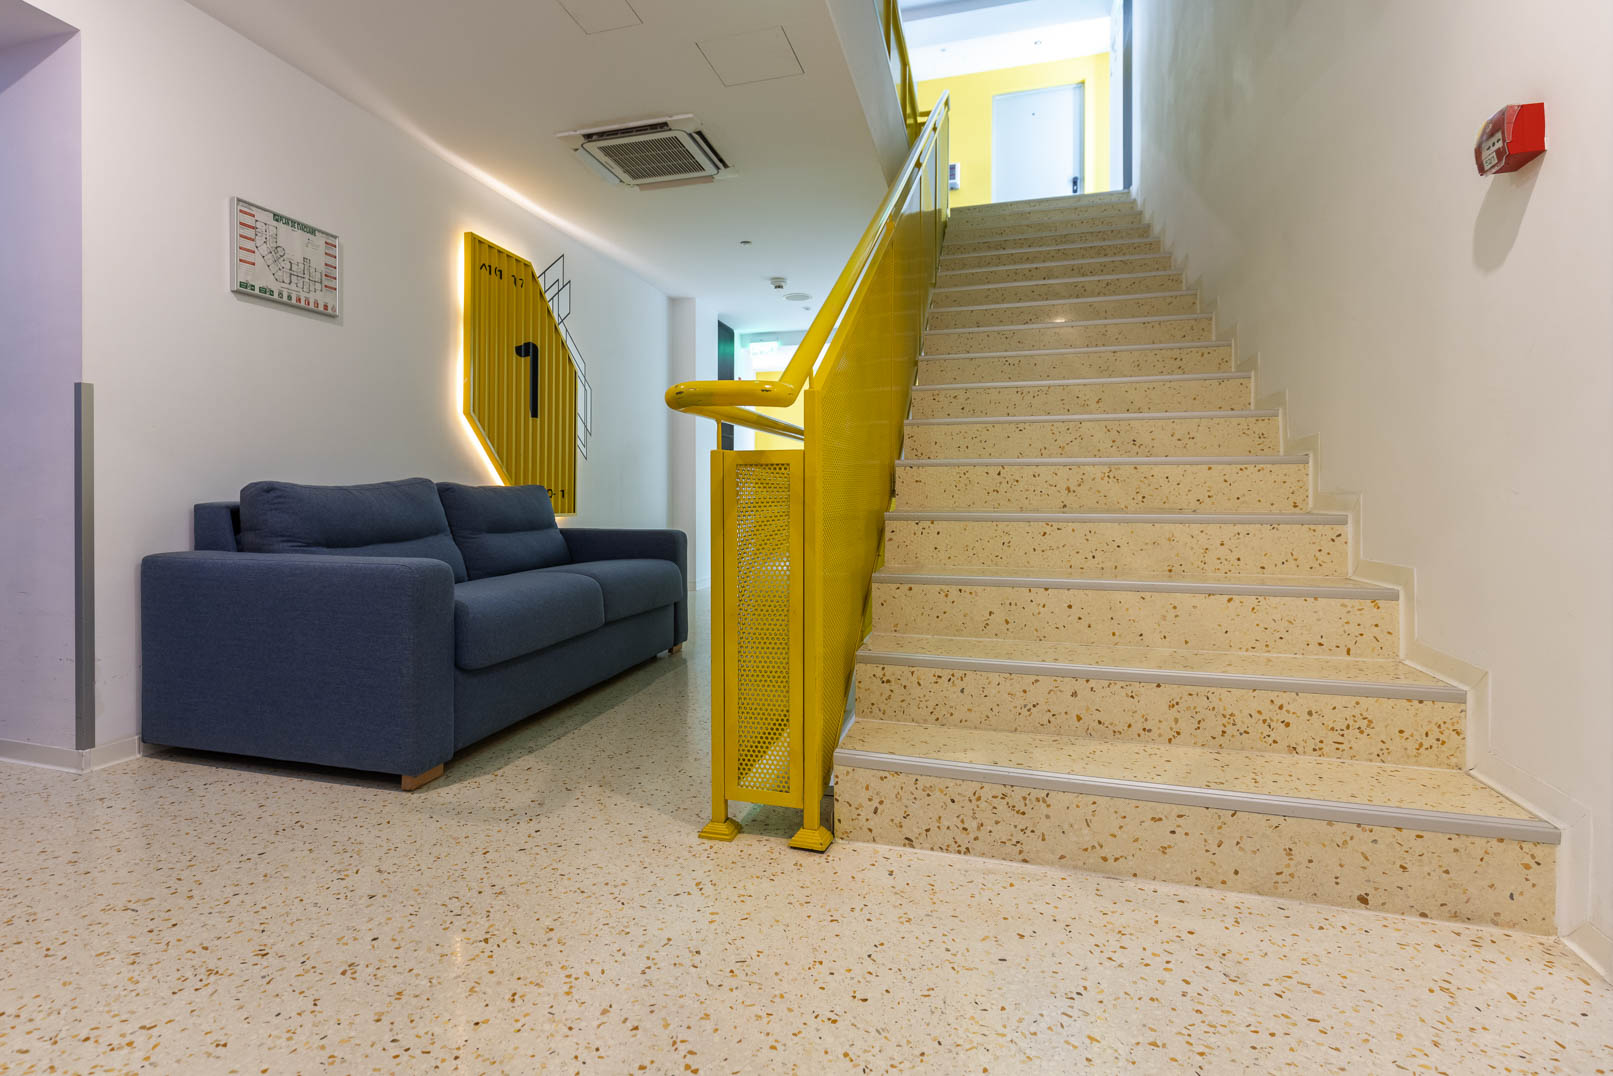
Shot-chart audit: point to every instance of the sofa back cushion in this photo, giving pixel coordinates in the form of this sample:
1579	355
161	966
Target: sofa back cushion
503	529
385	519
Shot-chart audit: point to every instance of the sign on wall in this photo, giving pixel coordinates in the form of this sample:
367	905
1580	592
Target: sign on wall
284	260
525	396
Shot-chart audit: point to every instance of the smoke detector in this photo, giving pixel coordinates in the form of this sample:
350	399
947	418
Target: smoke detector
670	151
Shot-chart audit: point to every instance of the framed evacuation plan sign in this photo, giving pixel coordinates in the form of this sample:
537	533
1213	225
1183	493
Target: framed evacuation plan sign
284	260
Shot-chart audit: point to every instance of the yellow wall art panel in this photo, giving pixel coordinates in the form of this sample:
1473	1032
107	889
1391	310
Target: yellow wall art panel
521	379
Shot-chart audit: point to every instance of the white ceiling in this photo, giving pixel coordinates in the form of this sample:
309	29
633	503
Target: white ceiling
21	23
947	38
1015	48
488	83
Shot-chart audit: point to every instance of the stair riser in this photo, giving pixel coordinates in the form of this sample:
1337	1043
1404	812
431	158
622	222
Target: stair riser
1247	623
1123	248
1504	883
1140	306
1057	201
1407	732
997	237
1083	334
1057	214
1129	284
1222	394
1131	362
1198	548
1093	438
1032	273
1267	487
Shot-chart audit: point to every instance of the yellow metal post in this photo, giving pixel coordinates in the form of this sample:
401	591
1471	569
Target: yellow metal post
721	827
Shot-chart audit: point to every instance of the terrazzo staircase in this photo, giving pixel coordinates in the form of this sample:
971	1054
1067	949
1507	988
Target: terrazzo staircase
1111	634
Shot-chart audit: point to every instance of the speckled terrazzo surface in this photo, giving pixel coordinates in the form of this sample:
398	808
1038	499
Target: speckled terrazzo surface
546	908
1423	788
1102	398
1339	627
1052	291
1232	548
1217	487
1070	268
1410	732
1095	362
1435	875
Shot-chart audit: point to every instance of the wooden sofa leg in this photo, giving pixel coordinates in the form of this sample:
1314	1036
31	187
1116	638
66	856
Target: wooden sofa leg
675	649
412	781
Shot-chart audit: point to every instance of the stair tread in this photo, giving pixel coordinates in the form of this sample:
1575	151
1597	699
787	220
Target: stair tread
1304	777
1096	322
1361	672
1309	519
993	575
1110	416
1101	461
1048	383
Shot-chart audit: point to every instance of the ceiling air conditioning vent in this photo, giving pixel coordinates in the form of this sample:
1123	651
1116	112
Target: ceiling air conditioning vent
651	154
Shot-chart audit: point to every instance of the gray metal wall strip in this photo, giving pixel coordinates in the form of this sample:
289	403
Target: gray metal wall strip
84	565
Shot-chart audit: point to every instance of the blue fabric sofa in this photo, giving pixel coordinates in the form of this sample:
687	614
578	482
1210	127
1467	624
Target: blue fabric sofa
384	627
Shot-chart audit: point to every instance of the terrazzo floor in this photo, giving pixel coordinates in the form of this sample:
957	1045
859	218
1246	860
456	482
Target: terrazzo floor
545	907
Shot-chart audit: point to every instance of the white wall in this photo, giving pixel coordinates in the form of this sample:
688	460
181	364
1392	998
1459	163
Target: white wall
691	356
39	362
199	390
1448	337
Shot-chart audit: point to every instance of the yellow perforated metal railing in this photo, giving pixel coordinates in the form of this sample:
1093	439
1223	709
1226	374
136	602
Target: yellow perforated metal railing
797	533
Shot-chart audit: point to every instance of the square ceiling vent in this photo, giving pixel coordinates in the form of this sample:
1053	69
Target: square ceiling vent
645	155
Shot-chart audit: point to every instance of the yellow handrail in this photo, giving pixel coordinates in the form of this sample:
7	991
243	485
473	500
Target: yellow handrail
730	401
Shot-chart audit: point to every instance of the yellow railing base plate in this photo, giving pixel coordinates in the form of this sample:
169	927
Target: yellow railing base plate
726	830
812	840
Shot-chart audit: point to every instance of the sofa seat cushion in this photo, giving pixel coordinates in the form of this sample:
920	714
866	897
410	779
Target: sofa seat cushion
384	519
503	529
630	586
508	616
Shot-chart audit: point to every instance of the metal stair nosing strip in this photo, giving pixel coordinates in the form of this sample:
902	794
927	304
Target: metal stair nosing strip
1364	814
1304	685
1120	416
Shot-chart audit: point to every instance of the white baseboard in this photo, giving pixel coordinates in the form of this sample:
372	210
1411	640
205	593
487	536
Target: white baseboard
70	759
1595	947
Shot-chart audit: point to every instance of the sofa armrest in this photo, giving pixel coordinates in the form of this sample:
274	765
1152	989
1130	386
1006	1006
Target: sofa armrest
613	543
341	661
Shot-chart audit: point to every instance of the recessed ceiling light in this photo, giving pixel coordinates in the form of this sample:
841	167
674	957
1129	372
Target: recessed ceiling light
797	296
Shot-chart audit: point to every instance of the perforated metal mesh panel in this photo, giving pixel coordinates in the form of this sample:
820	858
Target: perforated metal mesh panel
762	626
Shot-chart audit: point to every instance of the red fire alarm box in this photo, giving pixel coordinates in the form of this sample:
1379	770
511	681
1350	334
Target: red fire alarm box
1511	139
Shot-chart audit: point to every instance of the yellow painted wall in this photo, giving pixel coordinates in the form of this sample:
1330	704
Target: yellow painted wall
971	117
